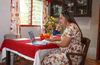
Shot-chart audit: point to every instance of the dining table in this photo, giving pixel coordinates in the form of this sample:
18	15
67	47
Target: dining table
24	48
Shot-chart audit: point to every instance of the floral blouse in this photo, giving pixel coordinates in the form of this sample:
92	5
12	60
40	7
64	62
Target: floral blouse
58	56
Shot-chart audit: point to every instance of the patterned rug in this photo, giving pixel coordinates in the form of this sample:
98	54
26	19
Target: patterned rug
21	61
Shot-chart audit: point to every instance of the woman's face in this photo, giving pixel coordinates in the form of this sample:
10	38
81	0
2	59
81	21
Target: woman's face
62	20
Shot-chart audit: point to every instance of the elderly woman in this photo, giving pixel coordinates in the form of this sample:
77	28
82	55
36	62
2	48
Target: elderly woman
70	41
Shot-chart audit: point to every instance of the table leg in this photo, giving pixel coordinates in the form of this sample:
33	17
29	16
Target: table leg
8	58
12	58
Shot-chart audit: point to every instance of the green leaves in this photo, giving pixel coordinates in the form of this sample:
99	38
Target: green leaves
50	24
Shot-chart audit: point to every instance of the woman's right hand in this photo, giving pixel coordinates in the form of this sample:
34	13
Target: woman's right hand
50	39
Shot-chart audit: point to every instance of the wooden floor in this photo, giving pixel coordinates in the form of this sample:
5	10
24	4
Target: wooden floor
92	62
26	62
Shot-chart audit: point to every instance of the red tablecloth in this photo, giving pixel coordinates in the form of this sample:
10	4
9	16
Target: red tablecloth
22	47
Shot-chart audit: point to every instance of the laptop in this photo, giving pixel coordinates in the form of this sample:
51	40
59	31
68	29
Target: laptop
36	42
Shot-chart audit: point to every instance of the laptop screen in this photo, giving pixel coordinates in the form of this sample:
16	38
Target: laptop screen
31	35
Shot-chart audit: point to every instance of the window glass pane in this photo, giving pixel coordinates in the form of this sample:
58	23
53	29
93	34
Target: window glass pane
25	6
37	12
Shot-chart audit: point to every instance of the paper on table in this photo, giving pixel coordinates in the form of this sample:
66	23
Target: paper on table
43	42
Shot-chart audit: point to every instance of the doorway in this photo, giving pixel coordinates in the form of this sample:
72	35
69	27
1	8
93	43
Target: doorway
98	43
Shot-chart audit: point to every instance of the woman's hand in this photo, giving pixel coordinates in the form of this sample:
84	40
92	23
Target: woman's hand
50	39
53	39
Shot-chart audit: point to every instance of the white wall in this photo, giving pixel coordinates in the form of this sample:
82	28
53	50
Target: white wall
89	26
94	28
85	25
4	18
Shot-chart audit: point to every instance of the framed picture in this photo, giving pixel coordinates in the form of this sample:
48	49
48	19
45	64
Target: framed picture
56	10
78	8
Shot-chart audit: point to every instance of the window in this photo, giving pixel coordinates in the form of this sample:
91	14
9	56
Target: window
27	13
25	7
37	12
31	12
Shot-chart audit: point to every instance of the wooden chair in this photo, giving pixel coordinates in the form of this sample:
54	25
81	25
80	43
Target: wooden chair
85	44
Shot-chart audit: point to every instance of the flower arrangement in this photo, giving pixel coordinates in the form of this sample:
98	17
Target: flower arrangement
50	24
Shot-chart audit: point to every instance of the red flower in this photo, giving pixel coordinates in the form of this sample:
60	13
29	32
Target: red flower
49	1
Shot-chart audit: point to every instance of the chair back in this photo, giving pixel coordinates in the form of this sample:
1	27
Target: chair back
10	36
36	29
86	43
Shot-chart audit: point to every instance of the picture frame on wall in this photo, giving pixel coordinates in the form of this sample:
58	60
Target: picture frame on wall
56	10
78	8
